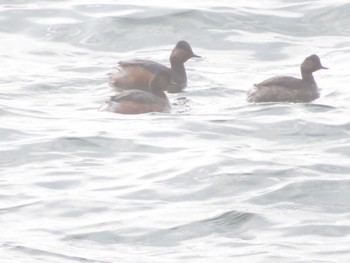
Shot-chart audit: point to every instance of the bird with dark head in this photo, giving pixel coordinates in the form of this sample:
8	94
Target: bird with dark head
140	101
136	74
289	89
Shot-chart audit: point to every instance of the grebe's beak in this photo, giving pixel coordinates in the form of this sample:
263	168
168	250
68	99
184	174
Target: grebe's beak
322	67
195	56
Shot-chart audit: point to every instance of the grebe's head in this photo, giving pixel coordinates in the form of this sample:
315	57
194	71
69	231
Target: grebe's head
312	64
182	52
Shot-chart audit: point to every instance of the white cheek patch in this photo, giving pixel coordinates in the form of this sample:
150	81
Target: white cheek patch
110	106
120	73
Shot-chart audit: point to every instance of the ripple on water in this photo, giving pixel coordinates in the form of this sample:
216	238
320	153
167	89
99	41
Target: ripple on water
216	179
234	224
323	195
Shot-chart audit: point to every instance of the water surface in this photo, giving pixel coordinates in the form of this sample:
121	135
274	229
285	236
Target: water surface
217	179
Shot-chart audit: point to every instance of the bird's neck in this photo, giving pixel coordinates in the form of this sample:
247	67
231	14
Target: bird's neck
178	72
307	76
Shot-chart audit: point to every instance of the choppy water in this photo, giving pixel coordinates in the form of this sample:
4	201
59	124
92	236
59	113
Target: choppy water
217	179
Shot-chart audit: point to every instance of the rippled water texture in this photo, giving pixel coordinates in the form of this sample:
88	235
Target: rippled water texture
215	180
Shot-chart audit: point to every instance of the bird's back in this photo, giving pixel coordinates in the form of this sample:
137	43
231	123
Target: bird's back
134	74
283	89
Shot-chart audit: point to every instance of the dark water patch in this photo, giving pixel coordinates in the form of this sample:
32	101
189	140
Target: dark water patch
342	149
80	146
330	20
17	207
323	230
8	134
325	195
331	169
316	107
231	224
55	256
59	184
307	130
44	87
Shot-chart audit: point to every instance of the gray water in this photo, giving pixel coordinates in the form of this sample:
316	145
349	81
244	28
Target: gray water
215	180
